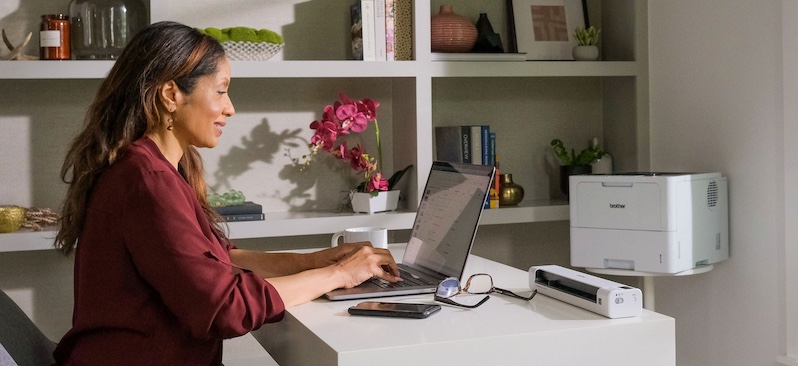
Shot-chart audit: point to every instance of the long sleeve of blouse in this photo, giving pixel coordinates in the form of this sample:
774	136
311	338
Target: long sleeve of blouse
153	283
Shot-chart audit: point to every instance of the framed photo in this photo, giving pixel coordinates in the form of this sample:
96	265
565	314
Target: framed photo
544	28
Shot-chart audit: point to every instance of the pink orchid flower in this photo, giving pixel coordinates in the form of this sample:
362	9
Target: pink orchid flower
377	183
326	134
351	117
342	118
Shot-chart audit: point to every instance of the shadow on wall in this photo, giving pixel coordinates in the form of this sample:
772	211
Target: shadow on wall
263	145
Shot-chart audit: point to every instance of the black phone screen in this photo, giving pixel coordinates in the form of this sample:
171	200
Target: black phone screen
394	309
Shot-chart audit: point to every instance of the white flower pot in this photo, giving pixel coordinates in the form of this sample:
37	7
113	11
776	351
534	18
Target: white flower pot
585	53
383	201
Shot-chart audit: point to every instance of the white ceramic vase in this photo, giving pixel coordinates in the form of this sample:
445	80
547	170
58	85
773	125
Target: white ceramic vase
603	165
383	201
585	53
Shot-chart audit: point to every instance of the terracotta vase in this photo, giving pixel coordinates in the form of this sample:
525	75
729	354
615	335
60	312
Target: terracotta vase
451	33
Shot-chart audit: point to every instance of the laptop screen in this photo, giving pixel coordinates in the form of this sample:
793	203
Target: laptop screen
447	217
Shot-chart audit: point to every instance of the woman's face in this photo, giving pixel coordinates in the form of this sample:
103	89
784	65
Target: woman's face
201	115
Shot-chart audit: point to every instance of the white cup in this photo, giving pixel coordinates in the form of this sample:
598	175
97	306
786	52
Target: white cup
377	236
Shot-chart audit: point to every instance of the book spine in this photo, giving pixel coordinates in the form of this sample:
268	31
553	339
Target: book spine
356	19
493	148
403	30
495	189
369	45
379	29
476	145
485	135
390	28
465	137
244	217
448	144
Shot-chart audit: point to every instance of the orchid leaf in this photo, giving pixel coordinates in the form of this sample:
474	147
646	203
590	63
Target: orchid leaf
394	179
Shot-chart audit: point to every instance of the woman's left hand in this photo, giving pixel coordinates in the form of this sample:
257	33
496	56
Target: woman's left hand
326	257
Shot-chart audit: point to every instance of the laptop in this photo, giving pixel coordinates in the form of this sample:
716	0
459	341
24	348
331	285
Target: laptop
442	234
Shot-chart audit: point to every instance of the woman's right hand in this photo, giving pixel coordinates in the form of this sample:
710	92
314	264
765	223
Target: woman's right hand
365	262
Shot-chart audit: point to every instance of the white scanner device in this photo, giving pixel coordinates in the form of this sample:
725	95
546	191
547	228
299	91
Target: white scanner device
605	297
662	223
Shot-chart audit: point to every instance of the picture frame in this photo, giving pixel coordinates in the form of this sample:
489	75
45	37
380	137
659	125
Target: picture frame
543	29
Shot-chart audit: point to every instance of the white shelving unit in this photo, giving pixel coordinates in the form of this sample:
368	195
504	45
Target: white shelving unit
425	94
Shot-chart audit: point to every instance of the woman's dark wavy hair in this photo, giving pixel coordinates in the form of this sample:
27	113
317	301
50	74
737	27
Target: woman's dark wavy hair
126	108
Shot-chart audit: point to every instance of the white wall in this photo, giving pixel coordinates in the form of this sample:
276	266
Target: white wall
715	83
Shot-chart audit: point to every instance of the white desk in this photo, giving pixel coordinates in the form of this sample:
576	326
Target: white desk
503	331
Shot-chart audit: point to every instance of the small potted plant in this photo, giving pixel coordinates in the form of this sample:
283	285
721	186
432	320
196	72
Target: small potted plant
572	163
375	193
586	39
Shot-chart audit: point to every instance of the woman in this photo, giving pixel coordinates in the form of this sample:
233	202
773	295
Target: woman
156	280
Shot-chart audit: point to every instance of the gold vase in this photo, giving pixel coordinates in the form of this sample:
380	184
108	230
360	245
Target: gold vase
510	193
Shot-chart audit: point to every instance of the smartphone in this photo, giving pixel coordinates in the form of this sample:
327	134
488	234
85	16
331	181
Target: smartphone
394	309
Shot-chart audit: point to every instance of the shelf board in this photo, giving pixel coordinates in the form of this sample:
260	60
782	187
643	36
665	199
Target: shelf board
278	224
38	69
86	69
25	240
312	223
533	68
323	69
527	211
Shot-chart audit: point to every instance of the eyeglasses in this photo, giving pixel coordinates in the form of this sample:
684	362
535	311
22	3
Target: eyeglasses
477	284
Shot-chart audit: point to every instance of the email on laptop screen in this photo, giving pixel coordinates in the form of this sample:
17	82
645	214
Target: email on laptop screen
447	217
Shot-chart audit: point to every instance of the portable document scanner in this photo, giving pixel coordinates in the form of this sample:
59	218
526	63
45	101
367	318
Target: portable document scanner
649	222
608	298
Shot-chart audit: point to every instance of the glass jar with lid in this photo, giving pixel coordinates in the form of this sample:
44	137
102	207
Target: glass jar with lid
102	28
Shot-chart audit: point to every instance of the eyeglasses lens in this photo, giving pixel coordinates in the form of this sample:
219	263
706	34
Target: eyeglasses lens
479	284
448	287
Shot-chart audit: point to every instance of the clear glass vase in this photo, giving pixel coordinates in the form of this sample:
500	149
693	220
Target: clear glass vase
102	28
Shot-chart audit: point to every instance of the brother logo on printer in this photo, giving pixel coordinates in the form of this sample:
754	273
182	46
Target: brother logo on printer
617	205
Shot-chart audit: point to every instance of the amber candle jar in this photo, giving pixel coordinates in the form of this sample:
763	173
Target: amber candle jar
54	37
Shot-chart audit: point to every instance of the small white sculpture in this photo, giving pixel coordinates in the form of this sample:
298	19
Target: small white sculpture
16	52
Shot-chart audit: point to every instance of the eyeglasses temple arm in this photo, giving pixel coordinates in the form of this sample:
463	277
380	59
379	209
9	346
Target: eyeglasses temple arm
513	294
452	302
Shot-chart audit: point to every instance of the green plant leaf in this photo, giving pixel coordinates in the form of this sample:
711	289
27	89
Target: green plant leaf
394	179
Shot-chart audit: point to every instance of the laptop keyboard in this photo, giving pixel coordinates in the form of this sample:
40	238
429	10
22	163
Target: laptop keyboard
408	281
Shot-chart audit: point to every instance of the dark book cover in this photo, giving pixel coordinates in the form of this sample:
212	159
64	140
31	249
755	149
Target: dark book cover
448	144
244	217
244	208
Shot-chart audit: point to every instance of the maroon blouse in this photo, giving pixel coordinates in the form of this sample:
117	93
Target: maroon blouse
151	283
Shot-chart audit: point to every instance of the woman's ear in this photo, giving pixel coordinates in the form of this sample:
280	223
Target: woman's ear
169	94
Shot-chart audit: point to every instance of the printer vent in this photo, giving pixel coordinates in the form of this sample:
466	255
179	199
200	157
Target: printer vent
712	194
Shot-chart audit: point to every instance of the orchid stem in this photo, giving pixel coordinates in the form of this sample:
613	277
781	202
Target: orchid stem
379	145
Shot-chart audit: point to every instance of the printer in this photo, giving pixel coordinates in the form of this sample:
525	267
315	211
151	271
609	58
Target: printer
649	222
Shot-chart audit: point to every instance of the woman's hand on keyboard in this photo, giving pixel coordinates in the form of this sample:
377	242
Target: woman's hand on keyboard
364	262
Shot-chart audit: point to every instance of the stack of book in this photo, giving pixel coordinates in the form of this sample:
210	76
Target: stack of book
382	30
471	144
247	211
466	144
